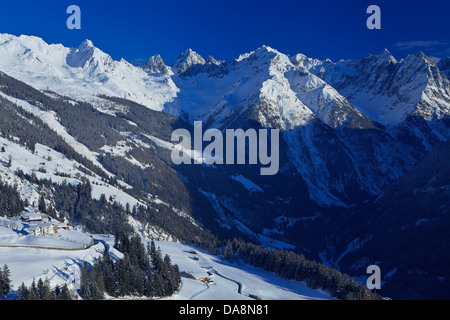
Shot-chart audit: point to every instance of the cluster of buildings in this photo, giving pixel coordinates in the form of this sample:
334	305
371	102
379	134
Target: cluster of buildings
36	223
204	279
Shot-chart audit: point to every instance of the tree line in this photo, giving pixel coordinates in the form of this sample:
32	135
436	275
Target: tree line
39	290
11	204
43	291
294	266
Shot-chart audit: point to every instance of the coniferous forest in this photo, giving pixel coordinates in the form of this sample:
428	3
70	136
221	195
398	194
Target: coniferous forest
142	272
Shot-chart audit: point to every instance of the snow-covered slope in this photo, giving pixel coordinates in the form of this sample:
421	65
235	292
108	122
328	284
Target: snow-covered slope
226	276
57	266
47	163
62	267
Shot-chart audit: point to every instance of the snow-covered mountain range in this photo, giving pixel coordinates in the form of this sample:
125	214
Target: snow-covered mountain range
349	129
377	87
298	95
86	68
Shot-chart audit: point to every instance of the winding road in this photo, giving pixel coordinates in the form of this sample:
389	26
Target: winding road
229	279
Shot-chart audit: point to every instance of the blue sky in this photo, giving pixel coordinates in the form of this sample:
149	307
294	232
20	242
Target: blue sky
138	29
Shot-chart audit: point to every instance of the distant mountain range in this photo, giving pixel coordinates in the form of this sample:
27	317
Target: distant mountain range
361	154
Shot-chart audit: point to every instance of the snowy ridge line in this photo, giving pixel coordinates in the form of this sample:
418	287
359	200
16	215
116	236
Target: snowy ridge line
90	70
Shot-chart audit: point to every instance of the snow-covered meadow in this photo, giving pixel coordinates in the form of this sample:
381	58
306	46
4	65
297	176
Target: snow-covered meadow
227	281
226	278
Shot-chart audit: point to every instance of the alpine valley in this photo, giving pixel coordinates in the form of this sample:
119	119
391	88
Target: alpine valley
363	173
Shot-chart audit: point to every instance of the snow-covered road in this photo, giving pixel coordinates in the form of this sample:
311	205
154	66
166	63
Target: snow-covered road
231	282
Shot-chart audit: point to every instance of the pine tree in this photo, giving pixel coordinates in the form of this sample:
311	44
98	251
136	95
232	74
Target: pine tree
40	289
64	293
84	279
5	281
23	293
42	206
47	294
34	295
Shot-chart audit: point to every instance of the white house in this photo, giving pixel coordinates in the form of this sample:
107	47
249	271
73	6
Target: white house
42	228
35	230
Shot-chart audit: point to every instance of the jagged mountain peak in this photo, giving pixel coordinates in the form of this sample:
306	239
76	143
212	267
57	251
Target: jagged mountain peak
301	60
186	60
263	52
420	64
87	55
382	60
264	59
189	52
266	48
156	64
87	44
212	61
386	55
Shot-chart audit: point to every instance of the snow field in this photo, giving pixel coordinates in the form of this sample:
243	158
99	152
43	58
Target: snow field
61	266
253	280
